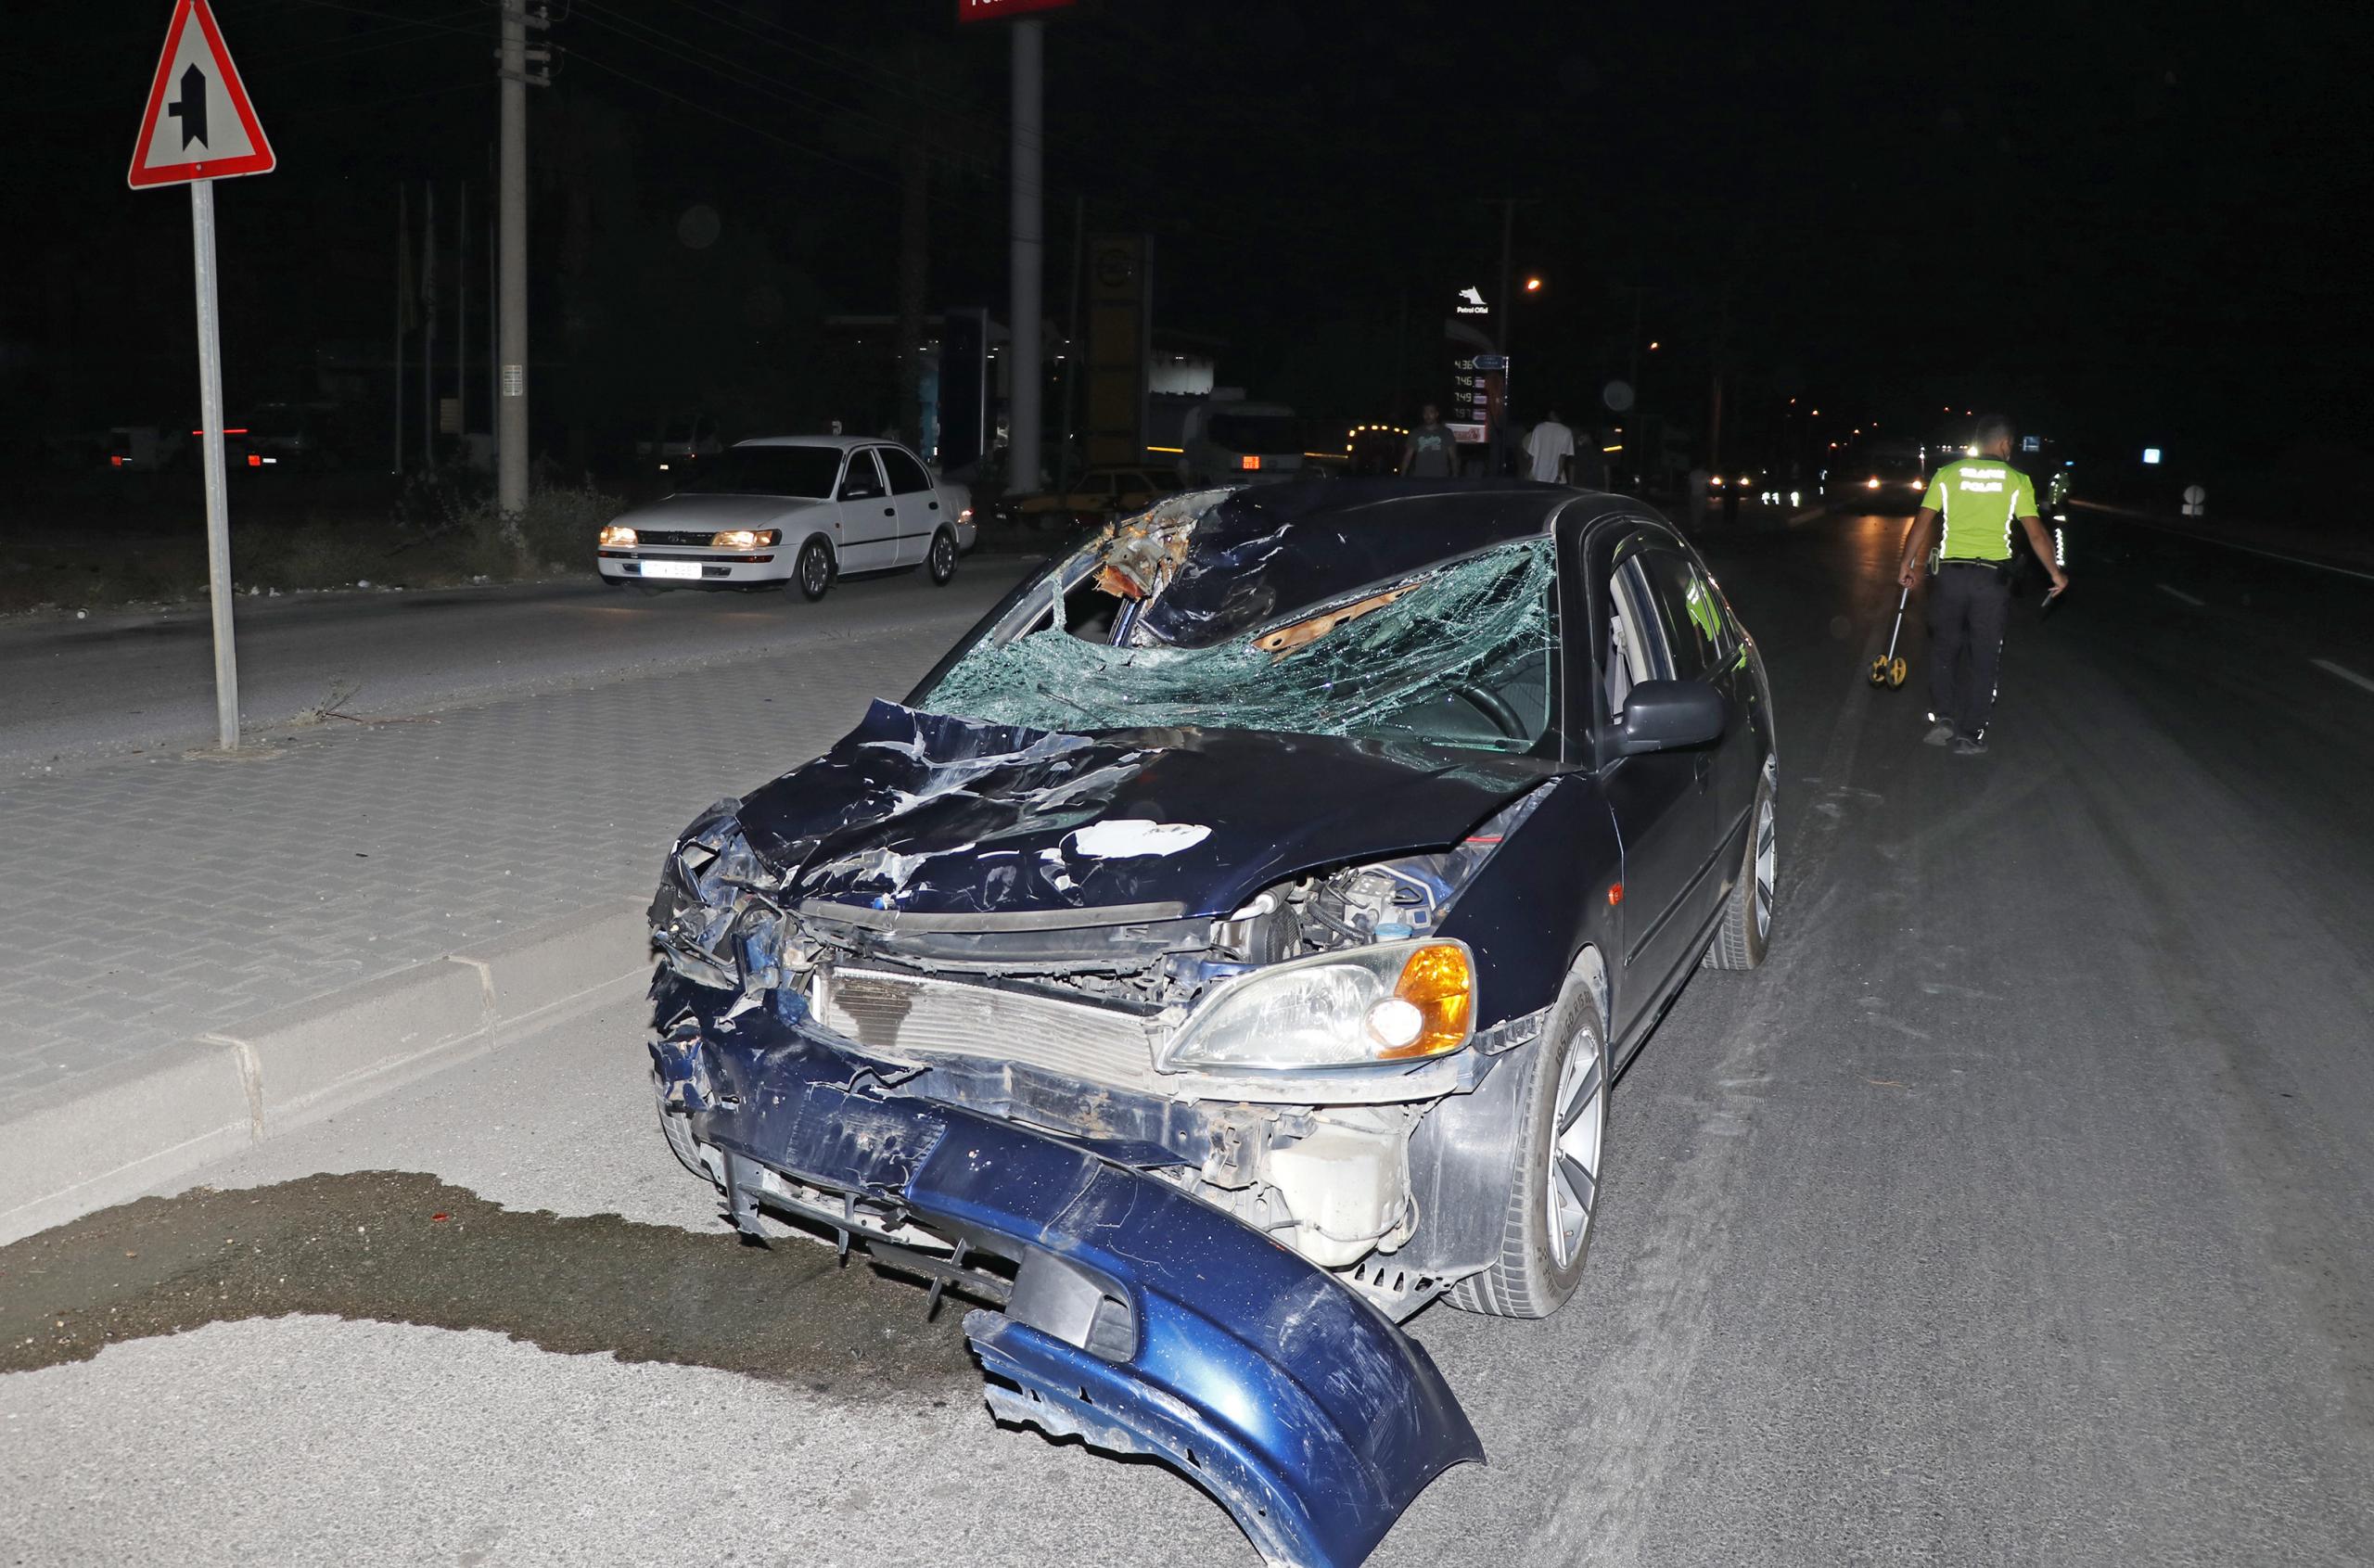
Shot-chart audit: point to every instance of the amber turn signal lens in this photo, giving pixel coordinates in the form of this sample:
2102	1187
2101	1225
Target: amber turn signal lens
1438	982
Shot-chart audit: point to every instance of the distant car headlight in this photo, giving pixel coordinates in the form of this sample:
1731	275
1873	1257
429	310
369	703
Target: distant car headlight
743	539
617	536
1390	1001
1872	483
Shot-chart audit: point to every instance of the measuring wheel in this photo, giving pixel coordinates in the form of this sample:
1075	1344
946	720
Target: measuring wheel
1897	670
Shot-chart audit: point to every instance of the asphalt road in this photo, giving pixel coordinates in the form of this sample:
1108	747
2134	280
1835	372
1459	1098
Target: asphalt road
2017	1211
119	682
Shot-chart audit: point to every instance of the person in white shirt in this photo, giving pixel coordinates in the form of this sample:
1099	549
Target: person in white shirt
1551	447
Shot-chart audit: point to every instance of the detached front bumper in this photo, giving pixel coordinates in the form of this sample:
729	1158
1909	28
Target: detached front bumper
1139	1319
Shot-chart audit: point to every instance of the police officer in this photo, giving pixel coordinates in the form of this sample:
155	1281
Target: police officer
1976	498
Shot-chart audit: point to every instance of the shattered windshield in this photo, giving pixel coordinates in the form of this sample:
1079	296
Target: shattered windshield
1457	655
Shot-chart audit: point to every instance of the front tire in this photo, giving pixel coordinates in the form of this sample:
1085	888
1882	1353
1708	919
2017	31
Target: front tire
677	1130
1553	1182
942	559
1746	932
813	574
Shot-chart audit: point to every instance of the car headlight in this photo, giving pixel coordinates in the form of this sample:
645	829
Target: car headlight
617	536
743	539
1872	483
964	517
1390	1001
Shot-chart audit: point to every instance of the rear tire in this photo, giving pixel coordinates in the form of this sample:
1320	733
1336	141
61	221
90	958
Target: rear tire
1553	1180
1746	932
942	559
815	572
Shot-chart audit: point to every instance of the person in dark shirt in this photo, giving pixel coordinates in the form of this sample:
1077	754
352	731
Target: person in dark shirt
1432	449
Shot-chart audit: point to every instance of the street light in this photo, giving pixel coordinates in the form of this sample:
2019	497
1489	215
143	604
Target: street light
1533	285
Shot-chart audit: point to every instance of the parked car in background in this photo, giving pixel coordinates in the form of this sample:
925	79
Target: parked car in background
1226	951
685	438
143	448
1094	491
286	436
791	511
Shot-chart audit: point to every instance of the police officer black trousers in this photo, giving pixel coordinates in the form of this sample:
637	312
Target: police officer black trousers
1968	607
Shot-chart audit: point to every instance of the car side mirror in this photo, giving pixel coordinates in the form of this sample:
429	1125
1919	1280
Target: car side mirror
1671	716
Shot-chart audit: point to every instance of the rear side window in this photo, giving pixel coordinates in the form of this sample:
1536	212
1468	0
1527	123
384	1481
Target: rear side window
907	475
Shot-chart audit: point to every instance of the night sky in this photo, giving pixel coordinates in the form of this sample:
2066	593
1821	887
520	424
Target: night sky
2122	223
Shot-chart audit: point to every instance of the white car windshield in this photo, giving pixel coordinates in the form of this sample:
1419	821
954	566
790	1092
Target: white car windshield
804	471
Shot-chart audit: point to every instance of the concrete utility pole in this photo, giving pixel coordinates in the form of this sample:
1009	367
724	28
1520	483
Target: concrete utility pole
403	311
1029	254
511	307
462	323
1501	314
429	327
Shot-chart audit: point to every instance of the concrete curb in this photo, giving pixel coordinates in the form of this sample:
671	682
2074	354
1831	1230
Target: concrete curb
127	1129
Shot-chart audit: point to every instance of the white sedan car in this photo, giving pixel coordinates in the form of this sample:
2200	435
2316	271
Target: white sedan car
786	510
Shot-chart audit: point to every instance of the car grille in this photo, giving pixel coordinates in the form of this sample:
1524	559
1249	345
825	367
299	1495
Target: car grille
897	1016
675	536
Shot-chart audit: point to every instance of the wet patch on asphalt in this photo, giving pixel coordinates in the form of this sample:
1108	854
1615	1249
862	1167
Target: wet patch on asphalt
403	1247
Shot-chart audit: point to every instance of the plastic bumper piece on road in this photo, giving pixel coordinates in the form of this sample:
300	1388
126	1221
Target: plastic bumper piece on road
1140	1319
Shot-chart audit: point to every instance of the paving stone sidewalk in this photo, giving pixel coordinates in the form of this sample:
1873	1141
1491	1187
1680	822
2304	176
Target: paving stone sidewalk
146	902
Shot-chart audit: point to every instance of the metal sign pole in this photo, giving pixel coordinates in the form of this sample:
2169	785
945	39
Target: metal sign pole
218	512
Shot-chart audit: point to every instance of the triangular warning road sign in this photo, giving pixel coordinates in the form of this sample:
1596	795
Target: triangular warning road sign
199	124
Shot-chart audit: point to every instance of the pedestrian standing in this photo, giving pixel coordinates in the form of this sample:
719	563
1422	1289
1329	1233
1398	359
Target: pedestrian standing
1975	500
1551	450
1432	452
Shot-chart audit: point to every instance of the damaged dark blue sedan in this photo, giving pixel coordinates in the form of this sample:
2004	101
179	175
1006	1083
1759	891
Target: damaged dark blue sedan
1226	951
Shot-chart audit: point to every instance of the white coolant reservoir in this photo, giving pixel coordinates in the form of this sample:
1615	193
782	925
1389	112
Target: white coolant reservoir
1347	1184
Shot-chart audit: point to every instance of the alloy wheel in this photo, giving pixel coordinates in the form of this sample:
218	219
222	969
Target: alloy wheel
1574	1151
1767	859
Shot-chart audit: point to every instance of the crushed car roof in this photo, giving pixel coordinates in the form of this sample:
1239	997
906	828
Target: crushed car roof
1264	551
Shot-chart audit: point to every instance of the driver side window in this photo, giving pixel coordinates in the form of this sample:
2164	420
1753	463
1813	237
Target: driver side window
1637	647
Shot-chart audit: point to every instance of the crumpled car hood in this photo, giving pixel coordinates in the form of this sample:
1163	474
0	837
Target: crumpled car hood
921	813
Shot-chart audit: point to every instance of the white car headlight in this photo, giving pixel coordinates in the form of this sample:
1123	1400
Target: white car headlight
1391	1001
617	536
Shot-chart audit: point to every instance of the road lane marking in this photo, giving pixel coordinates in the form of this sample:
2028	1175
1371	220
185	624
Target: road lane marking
2352	676
2180	593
